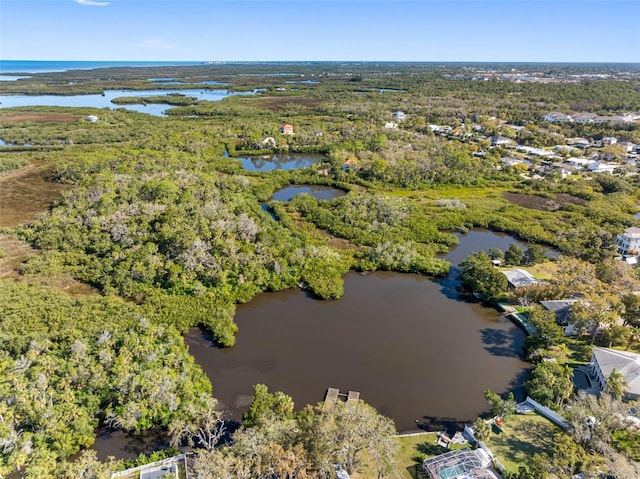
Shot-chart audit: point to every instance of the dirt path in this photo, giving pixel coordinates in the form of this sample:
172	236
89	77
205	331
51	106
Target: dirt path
27	192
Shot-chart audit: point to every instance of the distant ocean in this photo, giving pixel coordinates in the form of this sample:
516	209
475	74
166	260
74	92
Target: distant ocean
40	66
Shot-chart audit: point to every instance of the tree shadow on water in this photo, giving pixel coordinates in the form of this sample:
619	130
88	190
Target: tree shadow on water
502	343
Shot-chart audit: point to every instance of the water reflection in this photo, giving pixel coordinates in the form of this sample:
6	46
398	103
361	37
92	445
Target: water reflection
319	192
413	351
291	161
104	100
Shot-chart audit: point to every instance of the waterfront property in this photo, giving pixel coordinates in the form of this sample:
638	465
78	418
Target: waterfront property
519	278
461	464
604	361
561	308
629	241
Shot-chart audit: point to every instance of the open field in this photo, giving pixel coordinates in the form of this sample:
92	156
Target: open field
37	117
542	203
524	435
27	192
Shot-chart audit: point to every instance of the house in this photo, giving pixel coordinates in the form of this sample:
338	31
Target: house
269	142
391	124
519	278
350	164
629	241
561	308
601	167
286	129
584	117
556	117
461	464
609	140
604	361
92	118
399	115
627	145
579	142
500	141
579	162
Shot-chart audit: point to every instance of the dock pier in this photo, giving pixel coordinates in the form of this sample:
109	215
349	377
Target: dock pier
333	394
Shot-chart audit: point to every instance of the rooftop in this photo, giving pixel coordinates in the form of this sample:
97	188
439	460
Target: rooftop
626	363
519	278
633	232
460	464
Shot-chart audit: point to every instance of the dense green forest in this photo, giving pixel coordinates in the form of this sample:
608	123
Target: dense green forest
162	220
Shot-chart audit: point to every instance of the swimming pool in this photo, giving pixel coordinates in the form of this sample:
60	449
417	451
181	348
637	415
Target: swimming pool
581	379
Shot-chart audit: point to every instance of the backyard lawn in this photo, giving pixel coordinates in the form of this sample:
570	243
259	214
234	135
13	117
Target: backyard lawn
524	435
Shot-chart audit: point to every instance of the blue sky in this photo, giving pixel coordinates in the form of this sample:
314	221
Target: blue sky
365	30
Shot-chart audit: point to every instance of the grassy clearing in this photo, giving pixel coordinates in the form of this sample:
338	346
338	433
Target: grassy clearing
412	450
524	435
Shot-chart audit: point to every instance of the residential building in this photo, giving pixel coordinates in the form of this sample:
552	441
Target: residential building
604	361
286	129
399	115
627	145
92	118
556	117
629	241
584	117
519	278
461	464
601	167
500	141
391	124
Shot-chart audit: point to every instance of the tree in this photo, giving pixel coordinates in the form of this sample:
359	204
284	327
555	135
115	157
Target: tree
631	309
514	255
339	435
201	425
550	384
533	255
548	332
266	406
616	384
482	430
504	408
594	420
593	312
479	274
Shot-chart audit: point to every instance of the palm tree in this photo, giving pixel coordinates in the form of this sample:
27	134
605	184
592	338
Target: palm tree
481	430
616	384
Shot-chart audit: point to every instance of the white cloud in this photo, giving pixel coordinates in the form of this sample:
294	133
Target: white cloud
154	43
92	3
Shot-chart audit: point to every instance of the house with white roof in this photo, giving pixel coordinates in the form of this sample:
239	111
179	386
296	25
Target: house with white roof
601	167
629	241
501	141
604	361
399	115
519	278
556	117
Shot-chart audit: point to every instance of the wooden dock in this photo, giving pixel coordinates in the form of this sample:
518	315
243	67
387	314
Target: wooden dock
333	394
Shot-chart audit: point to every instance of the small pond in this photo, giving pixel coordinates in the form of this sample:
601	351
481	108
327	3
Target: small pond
319	192
292	161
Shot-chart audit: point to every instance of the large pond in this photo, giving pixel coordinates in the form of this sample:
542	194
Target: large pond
408	344
104	101
292	161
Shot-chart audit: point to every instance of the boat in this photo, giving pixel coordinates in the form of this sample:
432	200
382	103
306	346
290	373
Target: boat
497	422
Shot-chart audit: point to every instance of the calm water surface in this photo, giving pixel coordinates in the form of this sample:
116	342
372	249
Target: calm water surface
292	161
104	101
408	344
320	192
